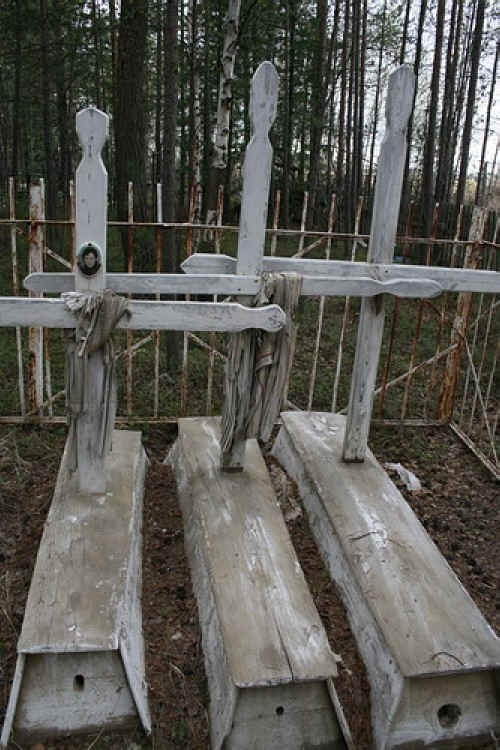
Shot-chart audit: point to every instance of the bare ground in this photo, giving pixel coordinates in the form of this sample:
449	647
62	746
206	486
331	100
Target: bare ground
458	505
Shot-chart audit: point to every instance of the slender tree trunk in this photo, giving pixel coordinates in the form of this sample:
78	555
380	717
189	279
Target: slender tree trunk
340	170
404	34
481	177
409	136
471	96
377	99
291	20
129	120
16	110
170	247
430	140
220	146
318	95
47	125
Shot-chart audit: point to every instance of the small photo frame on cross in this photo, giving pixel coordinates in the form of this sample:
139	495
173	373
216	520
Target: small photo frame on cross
89	258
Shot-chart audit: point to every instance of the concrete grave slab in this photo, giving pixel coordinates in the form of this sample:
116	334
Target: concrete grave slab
432	659
80	661
268	662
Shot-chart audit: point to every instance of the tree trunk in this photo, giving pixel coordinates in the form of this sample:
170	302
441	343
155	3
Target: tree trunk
471	96
430	140
481	177
318	96
170	247
129	120
221	139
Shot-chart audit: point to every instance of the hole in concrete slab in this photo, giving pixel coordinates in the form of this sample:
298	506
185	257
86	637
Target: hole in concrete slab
449	715
78	682
280	710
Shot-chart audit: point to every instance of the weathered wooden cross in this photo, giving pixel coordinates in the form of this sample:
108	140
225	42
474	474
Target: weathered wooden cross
242	276
90	276
368	280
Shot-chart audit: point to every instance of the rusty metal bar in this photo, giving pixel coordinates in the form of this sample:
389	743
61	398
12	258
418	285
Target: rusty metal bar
156	334
130	269
395	318
345	316
36	265
277	205
212	336
462	315
15	290
305	203
319	330
432	380
220	213
475	450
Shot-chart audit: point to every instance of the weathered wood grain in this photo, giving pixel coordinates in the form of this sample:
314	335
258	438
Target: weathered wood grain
257	170
380	250
450	279
424	642
173	316
155	283
83	604
262	635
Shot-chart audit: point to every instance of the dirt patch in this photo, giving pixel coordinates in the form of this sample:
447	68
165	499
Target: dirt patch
457	505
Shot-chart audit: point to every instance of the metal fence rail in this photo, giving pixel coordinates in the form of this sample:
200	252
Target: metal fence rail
421	337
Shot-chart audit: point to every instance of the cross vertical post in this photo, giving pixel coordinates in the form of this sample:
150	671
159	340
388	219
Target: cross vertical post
254	201
92	127
381	248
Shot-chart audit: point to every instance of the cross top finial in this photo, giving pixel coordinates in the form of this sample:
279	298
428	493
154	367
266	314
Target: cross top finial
399	97
263	98
92	127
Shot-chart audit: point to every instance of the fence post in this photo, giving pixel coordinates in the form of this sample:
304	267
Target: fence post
462	315
35	265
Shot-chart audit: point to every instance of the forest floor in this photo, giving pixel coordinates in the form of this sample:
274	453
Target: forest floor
457	505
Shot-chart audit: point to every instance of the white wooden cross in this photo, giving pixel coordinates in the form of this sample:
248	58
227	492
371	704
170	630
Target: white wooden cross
367	280
90	275
241	276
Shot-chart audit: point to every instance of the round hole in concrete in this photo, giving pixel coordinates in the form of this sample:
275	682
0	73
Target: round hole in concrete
280	710
449	715
78	682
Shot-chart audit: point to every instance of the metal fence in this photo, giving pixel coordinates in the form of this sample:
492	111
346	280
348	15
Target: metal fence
439	358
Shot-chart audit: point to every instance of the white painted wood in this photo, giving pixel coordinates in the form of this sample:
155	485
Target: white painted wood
83	614
92	127
401	596
172	316
213	284
257	170
35	335
260	628
380	250
158	283
450	279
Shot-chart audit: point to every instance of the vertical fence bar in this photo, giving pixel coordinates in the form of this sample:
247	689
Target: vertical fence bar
156	335
35	335
220	213
395	318
276	216
15	291
305	203
462	315
130	269
431	382
212	336
345	316
71	205
418	327
321	311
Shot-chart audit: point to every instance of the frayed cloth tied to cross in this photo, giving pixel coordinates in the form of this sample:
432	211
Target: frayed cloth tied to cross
97	315
258	367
